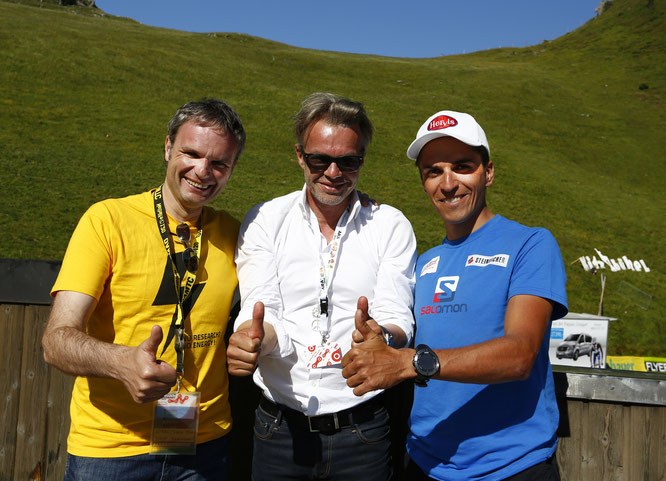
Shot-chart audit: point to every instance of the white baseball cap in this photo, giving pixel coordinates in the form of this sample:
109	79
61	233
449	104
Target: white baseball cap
447	123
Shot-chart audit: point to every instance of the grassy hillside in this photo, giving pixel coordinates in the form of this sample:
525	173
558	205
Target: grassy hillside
575	127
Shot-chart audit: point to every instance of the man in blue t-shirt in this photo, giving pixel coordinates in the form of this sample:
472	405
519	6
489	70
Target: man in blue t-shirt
484	301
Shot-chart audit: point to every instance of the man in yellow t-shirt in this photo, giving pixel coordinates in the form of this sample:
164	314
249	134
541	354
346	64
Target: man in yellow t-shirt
140	310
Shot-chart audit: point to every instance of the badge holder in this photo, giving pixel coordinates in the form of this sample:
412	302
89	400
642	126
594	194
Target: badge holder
175	423
324	356
176	416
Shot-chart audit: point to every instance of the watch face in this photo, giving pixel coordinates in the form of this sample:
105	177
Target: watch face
427	362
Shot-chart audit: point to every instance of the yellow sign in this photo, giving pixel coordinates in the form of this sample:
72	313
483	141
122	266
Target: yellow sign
637	363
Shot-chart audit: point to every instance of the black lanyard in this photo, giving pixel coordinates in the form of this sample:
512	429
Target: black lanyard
177	322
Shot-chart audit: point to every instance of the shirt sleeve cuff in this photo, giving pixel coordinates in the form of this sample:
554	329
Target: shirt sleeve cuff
284	346
407	328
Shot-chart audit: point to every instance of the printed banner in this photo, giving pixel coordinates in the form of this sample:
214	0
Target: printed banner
579	341
637	363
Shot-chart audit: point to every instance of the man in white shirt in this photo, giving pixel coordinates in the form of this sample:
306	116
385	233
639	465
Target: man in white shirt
308	263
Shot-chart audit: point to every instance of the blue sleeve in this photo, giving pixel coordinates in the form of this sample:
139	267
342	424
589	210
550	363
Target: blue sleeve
539	271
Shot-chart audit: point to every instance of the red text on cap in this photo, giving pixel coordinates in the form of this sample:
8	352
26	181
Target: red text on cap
442	122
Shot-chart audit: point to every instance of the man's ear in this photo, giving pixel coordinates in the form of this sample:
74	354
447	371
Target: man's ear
167	149
299	156
490	173
418	169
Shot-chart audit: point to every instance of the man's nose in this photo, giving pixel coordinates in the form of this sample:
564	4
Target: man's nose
449	181
333	170
203	168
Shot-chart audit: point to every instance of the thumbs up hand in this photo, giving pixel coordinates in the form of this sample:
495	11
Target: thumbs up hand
245	344
366	327
371	364
256	330
145	377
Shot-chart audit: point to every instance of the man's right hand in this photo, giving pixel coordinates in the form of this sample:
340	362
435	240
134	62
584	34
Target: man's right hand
146	378
245	344
69	348
371	364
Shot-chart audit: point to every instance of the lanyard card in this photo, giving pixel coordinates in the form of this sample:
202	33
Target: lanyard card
175	424
323	356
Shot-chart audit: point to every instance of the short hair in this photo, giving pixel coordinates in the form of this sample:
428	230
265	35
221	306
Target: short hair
336	111
209	112
483	152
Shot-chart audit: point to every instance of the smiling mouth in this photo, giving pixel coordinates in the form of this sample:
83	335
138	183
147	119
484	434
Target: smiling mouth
196	184
332	187
452	200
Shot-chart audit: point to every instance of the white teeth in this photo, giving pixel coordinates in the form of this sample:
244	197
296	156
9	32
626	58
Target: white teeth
195	184
452	200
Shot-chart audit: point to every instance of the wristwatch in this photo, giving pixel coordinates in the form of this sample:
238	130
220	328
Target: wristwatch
426	365
388	337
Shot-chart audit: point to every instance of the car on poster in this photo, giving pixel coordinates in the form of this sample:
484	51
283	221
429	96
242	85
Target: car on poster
575	345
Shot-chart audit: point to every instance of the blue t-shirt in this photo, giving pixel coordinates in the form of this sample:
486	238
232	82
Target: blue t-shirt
461	431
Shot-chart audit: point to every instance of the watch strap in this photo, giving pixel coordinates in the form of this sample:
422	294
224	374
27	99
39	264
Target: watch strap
388	337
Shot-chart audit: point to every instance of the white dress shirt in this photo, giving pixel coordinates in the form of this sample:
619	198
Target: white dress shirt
279	255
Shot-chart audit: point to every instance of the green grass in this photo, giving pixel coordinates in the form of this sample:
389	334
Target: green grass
578	147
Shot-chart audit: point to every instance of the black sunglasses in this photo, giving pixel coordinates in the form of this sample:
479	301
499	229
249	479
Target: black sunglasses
189	256
320	162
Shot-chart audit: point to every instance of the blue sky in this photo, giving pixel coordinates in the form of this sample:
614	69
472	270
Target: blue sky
395	28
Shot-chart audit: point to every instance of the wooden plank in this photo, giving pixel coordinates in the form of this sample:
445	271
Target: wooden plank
656	443
593	448
57	424
31	425
11	324
588	469
568	453
612	440
637	447
626	441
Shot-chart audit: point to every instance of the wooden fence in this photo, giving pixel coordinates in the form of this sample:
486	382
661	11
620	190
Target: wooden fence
613	423
34	410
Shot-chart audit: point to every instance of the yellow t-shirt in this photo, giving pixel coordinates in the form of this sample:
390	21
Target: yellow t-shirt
116	255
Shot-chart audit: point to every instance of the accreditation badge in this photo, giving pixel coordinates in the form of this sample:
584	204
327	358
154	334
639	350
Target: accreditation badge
323	356
175	423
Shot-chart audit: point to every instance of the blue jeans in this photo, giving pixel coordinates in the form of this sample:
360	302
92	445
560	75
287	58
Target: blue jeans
209	464
286	452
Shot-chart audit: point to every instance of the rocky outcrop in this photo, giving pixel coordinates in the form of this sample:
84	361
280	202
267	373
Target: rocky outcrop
603	6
